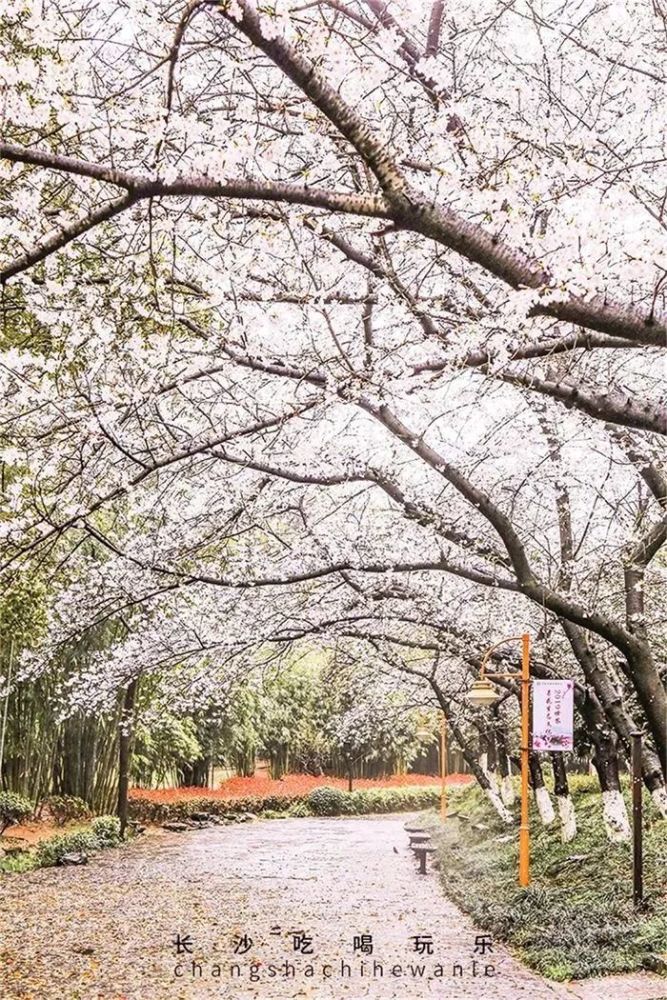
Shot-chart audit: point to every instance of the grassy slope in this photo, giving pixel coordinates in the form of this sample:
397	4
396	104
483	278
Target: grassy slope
576	919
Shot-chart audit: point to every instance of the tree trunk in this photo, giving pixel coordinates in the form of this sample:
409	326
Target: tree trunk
542	797
5	710
643	674
566	812
642	670
470	758
615	710
614	811
504	769
194	774
605	762
124	752
489	755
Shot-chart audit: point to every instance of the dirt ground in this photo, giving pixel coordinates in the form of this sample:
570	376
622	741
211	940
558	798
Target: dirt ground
30	833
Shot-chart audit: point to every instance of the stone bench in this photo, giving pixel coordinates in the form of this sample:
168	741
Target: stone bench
421	850
419	838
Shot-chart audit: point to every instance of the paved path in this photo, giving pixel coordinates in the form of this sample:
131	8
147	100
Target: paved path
107	930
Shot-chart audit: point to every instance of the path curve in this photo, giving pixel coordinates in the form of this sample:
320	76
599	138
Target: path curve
107	930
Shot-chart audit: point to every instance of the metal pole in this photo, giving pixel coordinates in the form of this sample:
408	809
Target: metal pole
443	767
524	829
637	830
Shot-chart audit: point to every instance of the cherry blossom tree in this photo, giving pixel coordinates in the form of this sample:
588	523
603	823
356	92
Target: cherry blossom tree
330	307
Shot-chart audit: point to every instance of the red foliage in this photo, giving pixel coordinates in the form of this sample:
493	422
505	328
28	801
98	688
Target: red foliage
290	784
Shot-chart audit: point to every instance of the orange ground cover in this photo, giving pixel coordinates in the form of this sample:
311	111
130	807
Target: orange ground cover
30	833
291	784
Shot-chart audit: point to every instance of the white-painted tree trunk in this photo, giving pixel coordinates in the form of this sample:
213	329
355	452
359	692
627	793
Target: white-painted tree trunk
497	803
507	791
615	817
544	806
491	775
659	796
568	818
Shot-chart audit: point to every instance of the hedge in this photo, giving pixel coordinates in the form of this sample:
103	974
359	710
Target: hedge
320	802
143	808
51	851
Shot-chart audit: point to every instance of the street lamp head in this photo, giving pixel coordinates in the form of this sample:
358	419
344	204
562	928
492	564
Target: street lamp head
424	734
482	693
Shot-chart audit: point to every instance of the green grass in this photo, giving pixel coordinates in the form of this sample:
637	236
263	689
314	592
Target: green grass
576	919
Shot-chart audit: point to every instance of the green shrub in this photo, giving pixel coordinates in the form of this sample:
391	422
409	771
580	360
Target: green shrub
327	802
388	800
13	809
299	810
16	864
64	808
107	830
370	800
50	852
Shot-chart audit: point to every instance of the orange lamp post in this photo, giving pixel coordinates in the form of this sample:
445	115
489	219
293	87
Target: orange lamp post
483	692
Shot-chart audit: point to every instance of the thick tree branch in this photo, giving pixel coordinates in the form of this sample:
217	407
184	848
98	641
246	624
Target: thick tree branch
404	206
526	580
62	237
441	223
612	407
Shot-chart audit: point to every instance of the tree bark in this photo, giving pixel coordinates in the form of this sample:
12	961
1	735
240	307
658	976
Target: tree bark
615	710
469	757
504	769
566	812
542	797
125	751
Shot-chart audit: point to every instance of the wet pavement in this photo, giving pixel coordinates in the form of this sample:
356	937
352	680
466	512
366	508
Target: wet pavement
268	909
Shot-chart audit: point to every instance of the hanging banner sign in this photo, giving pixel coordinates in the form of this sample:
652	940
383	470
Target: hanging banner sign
553	715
